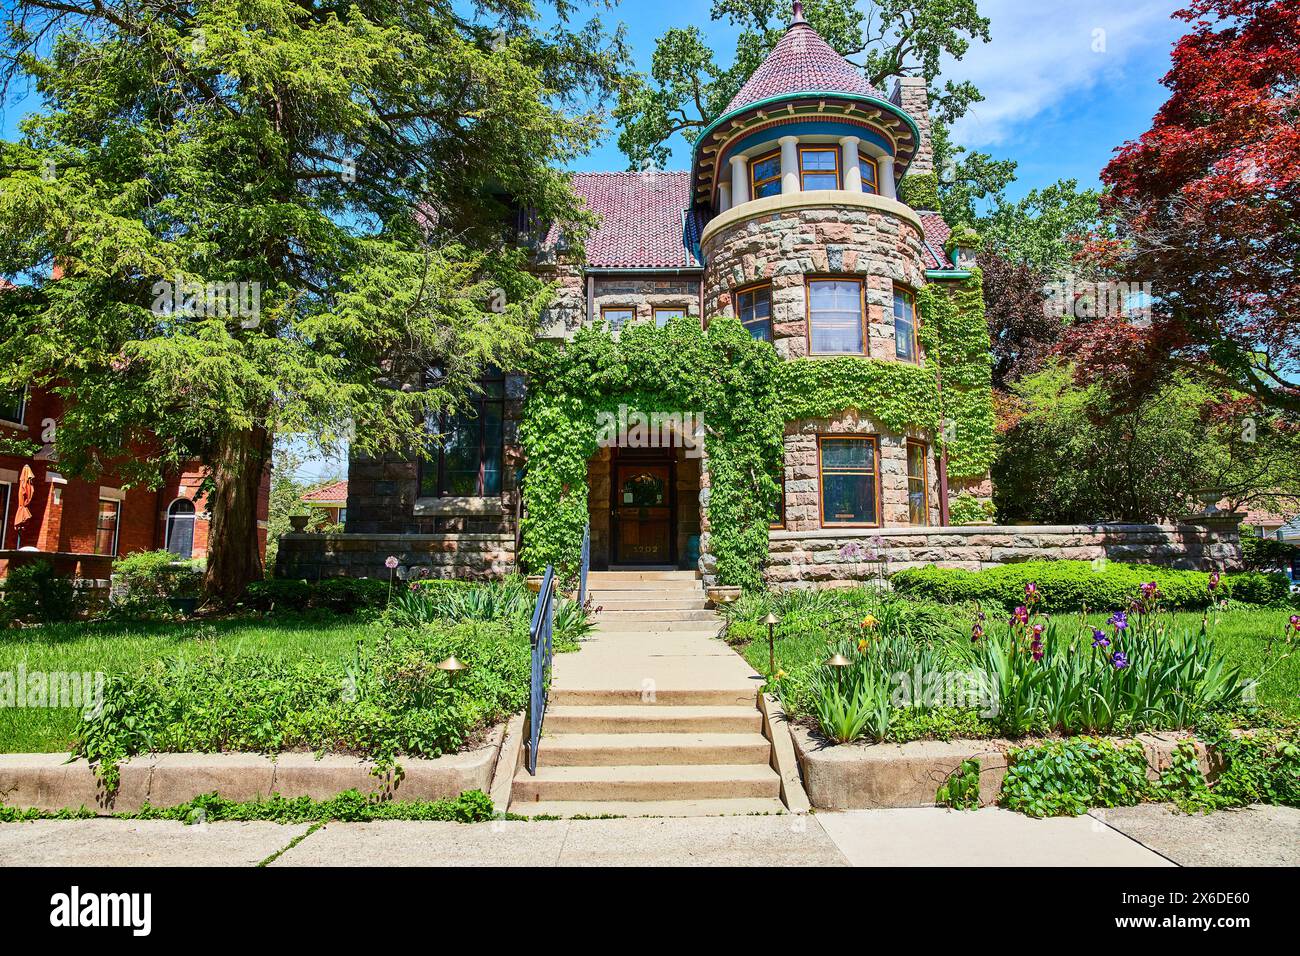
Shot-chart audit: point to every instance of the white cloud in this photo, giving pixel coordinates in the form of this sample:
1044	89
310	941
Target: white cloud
1041	54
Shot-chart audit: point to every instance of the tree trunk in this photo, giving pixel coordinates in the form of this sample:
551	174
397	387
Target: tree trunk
234	558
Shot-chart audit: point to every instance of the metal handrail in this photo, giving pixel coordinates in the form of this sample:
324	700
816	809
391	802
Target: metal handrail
584	567
540	639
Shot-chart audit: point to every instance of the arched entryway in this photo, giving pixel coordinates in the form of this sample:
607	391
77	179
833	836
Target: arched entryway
644	505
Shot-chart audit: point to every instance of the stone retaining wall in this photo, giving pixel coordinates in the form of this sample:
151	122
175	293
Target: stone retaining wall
826	557
452	555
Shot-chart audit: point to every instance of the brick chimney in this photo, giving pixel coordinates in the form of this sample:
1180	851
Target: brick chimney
910	93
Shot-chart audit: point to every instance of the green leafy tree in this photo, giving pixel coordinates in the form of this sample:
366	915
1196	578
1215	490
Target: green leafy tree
1047	228
358	167
686	88
967	181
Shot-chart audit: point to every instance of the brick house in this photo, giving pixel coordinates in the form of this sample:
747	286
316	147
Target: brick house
791	219
82	525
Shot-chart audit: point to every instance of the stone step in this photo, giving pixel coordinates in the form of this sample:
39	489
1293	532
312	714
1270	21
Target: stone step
650	719
612	750
616	578
677	782
639	589
662	614
753	806
670	601
636	697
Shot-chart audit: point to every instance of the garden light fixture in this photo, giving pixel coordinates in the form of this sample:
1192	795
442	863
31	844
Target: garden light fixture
771	621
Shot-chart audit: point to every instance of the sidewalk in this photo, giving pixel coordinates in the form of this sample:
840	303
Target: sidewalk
1136	836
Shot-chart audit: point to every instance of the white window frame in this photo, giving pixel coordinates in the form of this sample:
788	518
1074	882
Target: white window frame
117	525
167	524
7	496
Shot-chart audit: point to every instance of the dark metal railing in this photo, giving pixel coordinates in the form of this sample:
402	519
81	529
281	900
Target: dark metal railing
584	567
540	637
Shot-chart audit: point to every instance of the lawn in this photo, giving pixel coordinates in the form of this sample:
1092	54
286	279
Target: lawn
122	648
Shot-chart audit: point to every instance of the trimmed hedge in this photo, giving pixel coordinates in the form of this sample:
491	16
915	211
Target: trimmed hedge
1072	585
341	595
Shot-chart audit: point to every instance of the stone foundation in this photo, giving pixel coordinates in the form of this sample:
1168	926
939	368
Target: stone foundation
478	557
814	558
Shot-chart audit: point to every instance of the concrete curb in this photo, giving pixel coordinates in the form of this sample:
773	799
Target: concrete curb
51	782
889	776
784	760
503	779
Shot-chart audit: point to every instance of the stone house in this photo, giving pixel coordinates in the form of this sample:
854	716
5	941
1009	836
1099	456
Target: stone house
793	218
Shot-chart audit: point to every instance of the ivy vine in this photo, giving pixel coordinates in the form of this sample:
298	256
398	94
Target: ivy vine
745	395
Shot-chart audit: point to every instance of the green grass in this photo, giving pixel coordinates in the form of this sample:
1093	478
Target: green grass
122	648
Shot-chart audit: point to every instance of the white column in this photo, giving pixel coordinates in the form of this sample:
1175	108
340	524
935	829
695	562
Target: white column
739	180
790	165
888	188
849	162
724	197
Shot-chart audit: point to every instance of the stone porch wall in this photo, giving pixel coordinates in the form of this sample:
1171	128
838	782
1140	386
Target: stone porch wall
812	558
453	555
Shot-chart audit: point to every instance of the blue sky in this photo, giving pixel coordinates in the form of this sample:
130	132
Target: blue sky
1060	96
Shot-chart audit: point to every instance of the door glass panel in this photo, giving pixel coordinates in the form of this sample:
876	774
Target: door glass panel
643	491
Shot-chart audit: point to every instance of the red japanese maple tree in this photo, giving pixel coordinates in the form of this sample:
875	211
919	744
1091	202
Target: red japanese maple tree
1207	204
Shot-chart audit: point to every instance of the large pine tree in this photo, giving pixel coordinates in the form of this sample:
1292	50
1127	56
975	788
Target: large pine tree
357	166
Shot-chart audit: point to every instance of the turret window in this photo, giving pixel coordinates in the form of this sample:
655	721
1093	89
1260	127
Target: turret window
835	316
765	175
870	174
754	307
819	167
905	345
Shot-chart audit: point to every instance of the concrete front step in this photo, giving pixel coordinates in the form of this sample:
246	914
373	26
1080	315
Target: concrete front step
753	806
641	588
658	626
655	697
659	749
612	578
669	601
678	782
612	615
650	719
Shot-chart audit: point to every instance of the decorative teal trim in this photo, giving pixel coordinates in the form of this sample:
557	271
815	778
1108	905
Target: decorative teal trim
810	128
947	274
811	95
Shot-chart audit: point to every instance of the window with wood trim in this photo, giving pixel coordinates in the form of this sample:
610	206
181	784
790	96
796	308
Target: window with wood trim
835	317
849	480
754	309
666	314
107	526
778	520
180	528
870	173
617	316
467	447
918	485
765	176
819	167
13	406
905	343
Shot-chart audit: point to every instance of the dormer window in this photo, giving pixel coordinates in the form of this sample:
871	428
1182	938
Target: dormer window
819	167
765	175
870	174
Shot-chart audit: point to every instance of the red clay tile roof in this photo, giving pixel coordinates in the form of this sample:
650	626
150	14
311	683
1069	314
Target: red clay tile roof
936	234
337	492
802	62
643	220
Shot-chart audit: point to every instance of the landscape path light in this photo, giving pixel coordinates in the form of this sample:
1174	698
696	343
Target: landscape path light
771	621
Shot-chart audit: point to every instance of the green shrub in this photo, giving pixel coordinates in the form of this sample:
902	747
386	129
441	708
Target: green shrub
34	593
388	700
1068	777
143	582
340	595
1266	554
1073	585
509	600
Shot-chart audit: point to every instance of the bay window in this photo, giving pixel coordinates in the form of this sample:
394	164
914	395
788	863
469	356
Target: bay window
849	480
765	176
819	167
870	174
905	344
835	313
754	309
918	498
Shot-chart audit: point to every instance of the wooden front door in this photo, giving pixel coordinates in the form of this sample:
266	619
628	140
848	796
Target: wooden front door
643	513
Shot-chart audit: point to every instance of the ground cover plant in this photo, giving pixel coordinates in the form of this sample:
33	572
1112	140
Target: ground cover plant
365	684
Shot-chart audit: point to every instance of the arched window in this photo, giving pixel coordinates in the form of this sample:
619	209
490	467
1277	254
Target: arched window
180	528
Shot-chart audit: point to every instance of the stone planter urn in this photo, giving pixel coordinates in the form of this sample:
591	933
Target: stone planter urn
299	522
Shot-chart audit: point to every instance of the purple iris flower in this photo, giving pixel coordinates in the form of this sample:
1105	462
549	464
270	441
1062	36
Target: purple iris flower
1118	620
1120	660
1099	638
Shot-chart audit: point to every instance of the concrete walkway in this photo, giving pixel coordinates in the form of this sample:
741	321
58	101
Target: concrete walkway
1137	836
